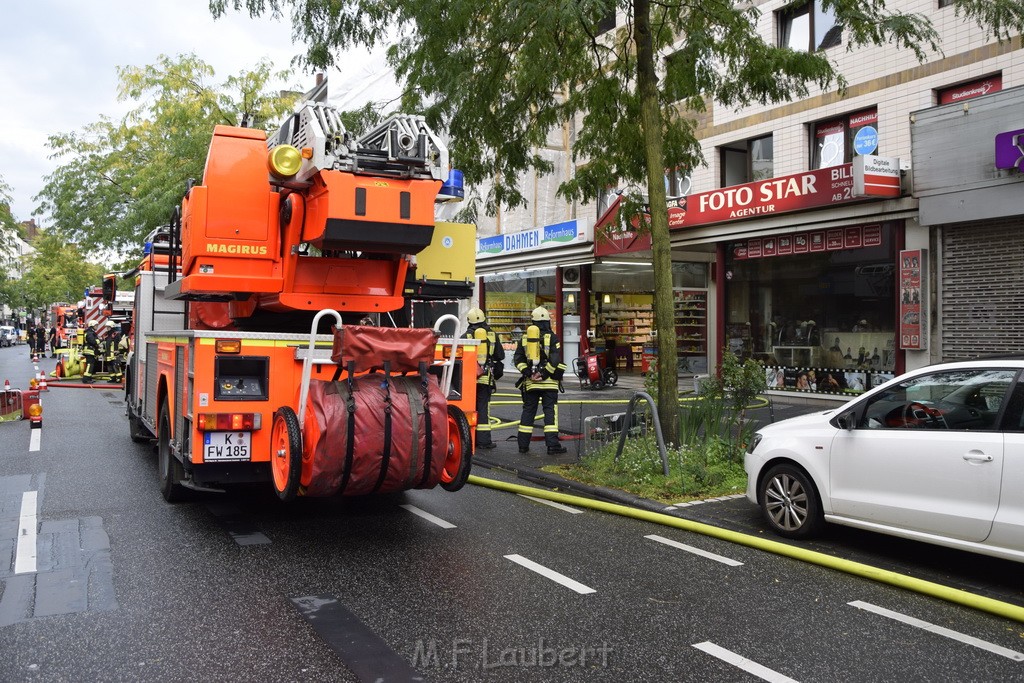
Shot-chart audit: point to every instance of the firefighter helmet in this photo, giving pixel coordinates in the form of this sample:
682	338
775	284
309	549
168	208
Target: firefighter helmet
475	316
540	313
110	323
92	323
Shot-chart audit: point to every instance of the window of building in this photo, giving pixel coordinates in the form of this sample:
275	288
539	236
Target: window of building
808	27
747	161
677	184
837	141
970	90
607	22
945	3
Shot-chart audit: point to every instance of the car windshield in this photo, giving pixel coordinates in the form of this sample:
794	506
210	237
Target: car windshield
956	399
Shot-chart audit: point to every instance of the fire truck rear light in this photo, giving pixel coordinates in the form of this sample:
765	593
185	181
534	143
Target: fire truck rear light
228	422
228	345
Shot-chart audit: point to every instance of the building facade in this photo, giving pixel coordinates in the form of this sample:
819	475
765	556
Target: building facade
782	251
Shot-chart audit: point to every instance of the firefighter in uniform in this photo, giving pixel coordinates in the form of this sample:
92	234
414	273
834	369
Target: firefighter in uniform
90	350
111	343
538	357
490	357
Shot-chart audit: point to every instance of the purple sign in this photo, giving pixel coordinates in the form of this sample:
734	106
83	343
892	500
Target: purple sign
1010	150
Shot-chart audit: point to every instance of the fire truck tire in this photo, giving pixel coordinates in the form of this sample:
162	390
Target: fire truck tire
286	453
458	462
171	471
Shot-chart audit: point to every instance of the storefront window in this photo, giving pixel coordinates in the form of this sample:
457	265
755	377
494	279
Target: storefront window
816	308
510	299
622	315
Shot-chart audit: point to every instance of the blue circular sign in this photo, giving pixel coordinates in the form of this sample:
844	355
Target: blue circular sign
866	140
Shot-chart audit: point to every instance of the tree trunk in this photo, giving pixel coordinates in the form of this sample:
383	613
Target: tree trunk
664	317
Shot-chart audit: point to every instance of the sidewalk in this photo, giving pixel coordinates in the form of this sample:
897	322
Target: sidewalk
575	405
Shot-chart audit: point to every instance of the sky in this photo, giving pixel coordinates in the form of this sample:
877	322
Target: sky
59	60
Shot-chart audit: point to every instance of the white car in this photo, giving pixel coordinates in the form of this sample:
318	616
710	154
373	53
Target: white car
936	455
8	337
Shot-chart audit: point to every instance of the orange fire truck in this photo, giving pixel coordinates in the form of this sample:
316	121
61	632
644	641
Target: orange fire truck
252	359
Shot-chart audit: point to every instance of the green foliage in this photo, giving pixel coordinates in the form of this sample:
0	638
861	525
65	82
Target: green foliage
693	472
719	411
8	230
120	179
56	271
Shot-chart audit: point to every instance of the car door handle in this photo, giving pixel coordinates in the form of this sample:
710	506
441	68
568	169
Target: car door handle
977	457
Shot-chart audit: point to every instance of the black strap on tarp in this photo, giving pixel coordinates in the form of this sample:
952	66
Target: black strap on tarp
350	444
407	387
385	459
428	451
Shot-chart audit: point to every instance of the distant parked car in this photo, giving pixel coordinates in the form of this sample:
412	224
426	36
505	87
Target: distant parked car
8	336
936	455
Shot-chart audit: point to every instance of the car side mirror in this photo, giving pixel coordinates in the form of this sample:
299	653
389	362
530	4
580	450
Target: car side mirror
847	420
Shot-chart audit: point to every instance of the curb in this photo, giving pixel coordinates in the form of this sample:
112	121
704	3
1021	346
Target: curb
554	481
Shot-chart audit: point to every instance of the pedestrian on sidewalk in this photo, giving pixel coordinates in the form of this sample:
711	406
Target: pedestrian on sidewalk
490	357
538	357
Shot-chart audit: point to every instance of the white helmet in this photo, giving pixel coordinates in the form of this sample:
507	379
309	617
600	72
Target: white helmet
540	313
110	323
92	323
475	315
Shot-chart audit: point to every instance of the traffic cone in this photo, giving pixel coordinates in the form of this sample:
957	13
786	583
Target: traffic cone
42	383
7	385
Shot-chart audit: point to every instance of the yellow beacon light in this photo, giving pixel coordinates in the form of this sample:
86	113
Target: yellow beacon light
284	161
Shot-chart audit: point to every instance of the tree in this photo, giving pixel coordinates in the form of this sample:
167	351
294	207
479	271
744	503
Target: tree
120	179
500	75
56	271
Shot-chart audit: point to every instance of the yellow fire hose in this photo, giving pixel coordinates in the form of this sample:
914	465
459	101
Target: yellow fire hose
935	590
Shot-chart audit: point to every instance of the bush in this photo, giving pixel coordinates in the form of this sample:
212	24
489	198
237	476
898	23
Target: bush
693	472
713	432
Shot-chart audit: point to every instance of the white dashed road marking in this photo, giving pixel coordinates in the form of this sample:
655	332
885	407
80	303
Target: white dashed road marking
25	557
695	551
34	439
553	504
741	662
939	630
429	517
551	574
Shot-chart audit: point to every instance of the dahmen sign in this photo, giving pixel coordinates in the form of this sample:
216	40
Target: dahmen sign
812	189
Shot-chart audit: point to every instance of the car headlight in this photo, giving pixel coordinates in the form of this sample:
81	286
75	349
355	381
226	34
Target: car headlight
752	446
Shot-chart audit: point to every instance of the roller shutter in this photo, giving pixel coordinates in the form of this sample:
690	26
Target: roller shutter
982	290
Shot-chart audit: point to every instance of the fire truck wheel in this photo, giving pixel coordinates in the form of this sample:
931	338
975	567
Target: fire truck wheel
171	471
458	462
286	453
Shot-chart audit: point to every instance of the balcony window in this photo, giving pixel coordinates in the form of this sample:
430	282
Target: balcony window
747	161
807	27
